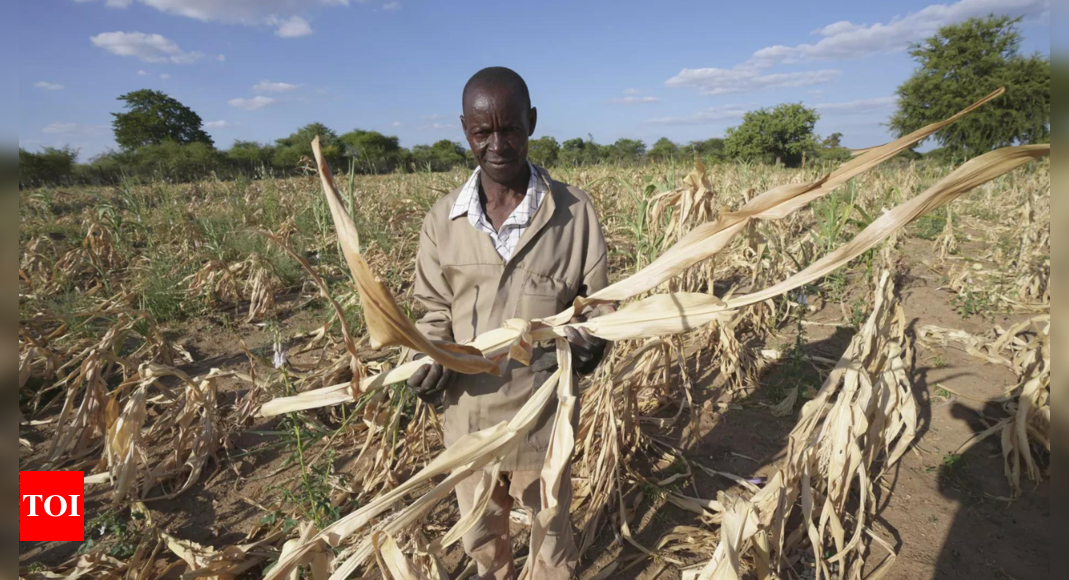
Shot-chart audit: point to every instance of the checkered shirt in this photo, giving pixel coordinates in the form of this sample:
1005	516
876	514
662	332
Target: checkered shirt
508	236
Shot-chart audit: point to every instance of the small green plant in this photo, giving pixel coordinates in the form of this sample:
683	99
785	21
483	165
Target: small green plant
969	303
929	226
652	493
118	530
858	313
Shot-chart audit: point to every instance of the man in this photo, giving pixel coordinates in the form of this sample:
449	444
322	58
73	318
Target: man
509	243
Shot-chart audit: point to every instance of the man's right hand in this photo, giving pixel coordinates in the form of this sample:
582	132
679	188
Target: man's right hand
429	381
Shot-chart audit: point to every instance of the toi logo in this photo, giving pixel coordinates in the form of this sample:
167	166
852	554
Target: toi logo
51	506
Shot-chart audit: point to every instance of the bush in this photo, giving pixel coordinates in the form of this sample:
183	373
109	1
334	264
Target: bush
49	166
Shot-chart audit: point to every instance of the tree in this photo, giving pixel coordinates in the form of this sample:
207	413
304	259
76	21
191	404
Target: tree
576	152
372	151
442	156
833	141
543	151
250	155
153	118
710	149
664	150
626	151
784	133
290	150
961	64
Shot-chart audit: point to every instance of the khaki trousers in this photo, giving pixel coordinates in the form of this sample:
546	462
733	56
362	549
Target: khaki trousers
488	540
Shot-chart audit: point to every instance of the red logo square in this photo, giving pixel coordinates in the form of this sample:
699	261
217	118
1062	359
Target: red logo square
51	506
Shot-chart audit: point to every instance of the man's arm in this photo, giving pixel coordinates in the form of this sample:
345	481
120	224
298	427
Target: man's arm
431	288
587	349
433	292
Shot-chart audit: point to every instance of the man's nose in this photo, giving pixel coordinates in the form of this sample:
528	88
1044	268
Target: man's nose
497	142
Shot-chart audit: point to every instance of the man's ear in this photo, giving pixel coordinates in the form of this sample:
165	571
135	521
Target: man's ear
532	120
463	125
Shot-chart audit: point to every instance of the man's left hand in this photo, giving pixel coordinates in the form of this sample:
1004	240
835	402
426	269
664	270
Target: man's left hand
587	349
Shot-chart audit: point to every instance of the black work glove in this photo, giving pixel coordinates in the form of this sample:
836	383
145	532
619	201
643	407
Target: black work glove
587	349
430	381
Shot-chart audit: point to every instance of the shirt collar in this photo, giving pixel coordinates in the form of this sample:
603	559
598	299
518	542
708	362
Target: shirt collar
468	200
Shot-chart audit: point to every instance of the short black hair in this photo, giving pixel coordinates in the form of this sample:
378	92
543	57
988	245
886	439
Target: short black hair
497	76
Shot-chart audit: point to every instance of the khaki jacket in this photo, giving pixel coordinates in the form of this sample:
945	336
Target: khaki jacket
467	290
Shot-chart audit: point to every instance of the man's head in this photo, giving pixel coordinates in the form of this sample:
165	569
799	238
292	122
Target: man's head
498	119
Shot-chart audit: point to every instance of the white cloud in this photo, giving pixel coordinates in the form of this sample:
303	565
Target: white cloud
165	76
859	106
273	87
292	27
221	58
847	40
630	91
391	6
437	126
632	100
49	86
141	73
285	15
72	129
395	124
706	117
257	102
147	47
720	81
216	124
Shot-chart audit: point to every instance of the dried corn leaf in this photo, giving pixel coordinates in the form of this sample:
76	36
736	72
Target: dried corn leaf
387	324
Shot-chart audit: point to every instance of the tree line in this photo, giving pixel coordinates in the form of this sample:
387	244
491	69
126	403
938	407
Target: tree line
162	139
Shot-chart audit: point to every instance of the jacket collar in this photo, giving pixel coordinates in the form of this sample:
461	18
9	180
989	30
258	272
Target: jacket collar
542	215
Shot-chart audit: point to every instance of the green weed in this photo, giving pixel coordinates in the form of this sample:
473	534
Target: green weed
117	530
929	226
969	303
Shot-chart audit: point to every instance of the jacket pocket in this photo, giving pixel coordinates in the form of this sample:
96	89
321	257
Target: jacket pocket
542	296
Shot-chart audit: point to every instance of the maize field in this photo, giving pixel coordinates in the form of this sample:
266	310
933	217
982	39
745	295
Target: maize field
827	373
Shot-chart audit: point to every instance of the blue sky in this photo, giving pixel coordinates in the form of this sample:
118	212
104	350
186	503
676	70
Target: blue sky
258	69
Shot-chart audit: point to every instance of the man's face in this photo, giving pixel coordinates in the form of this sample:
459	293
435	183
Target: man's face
497	123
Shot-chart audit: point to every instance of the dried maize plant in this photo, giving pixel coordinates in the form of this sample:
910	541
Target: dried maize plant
76	267
37	265
859	424
1025	430
100	246
192	424
1032	262
261	284
84	423
217	282
657	315
624	392
672	214
947	241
